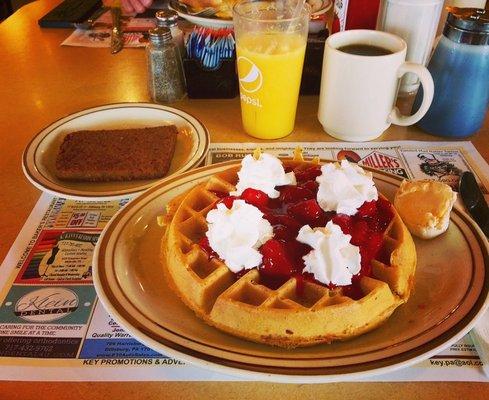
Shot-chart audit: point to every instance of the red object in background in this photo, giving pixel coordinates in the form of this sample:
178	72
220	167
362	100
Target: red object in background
355	14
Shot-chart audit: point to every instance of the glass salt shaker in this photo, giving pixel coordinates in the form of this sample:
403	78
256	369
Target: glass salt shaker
169	19
166	80
460	70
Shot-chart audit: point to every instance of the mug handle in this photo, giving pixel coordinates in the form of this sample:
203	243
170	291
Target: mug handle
428	90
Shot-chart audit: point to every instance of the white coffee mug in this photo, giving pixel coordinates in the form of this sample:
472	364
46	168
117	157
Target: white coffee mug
358	92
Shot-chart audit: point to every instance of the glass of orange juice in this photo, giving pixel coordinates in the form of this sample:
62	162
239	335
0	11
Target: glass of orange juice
271	39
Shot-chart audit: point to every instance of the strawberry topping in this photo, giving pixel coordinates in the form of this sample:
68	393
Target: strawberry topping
297	206
255	197
204	245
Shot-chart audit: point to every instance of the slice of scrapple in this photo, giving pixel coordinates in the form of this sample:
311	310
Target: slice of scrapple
116	154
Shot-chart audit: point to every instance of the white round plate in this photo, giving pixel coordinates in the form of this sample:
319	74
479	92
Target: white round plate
214	22
38	160
211	22
450	293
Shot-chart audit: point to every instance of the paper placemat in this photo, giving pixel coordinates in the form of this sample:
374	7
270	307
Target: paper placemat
52	326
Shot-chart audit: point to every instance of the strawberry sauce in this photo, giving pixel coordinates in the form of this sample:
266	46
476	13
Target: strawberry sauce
297	206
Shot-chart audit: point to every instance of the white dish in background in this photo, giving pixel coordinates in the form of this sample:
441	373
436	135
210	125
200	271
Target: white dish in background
214	22
211	22
326	5
38	160
450	294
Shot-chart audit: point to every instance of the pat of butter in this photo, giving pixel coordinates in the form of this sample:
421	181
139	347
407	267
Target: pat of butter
425	207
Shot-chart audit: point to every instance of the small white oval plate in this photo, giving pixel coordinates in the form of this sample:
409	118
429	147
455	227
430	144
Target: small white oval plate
38	160
450	294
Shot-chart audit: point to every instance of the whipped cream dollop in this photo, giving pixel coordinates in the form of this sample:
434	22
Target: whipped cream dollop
263	174
235	234
344	187
332	258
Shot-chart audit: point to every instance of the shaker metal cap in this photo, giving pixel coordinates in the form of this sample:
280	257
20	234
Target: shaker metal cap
469	19
468	25
160	34
166	18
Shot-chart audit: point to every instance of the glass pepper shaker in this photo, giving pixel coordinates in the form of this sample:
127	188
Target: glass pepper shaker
166	81
169	19
460	70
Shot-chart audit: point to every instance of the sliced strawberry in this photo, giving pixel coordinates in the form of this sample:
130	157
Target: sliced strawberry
359	233
274	204
281	232
370	250
367	209
255	197
308	174
285	220
308	212
293	194
296	251
345	222
378	223
384	206
384	214
375	243
276	260
228	201
312	186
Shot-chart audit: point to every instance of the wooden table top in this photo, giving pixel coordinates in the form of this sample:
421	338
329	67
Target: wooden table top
40	82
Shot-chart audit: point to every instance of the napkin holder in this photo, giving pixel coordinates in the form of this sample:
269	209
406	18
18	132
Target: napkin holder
217	83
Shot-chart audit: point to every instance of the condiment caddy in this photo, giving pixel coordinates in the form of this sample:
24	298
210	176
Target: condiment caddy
210	63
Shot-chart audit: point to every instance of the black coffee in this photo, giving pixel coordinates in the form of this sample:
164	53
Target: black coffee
364	50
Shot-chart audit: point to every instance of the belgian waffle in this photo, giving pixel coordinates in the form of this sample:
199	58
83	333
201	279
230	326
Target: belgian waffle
244	307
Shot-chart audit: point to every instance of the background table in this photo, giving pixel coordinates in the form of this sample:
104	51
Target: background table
41	82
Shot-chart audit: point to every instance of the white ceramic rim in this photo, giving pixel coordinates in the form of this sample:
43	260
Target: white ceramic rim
203	21
228	23
387	40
